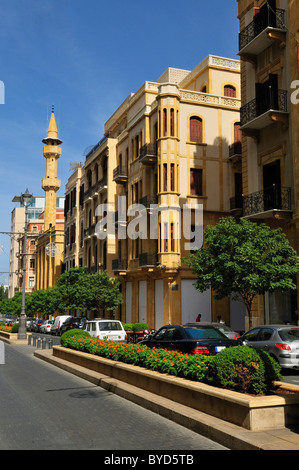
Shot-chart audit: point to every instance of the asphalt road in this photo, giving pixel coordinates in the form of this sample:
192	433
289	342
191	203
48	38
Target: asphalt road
45	408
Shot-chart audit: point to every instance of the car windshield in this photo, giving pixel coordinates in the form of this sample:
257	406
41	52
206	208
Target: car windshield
109	325
222	327
289	334
203	333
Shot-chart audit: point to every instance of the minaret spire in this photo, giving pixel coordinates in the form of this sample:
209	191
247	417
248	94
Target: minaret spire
51	184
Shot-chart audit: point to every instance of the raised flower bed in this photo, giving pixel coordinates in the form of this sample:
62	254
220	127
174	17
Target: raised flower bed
251	412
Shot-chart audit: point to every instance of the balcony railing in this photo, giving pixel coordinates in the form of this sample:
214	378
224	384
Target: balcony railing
260	23
268	199
148	154
119	265
102	185
235	149
148	259
120	174
146	201
269	102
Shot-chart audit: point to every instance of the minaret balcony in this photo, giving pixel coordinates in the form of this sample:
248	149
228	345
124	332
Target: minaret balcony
52	150
50	184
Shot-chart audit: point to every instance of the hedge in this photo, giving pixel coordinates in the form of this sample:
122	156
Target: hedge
238	368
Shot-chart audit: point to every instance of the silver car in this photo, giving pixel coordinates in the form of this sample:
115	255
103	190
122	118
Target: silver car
280	341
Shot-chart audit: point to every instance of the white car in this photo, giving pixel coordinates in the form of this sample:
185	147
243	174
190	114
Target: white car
106	329
46	326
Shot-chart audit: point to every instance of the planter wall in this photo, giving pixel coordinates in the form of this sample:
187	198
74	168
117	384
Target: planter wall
253	413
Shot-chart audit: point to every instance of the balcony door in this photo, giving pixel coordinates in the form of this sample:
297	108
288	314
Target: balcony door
265	16
267	95
272	186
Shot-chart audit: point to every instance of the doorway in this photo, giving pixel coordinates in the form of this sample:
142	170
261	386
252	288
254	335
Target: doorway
272	186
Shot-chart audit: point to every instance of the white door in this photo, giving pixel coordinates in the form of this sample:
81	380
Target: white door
159	303
195	302
142	301
128	302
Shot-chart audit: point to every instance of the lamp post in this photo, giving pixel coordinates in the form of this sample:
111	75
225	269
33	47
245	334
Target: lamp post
25	201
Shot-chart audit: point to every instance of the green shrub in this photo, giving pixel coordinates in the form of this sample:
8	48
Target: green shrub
15	328
128	326
75	333
243	369
140	326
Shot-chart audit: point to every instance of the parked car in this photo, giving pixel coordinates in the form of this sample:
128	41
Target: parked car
70	323
46	326
37	325
226	330
58	321
106	329
280	341
195	338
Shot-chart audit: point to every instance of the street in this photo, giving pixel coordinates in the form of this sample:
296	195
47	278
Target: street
45	408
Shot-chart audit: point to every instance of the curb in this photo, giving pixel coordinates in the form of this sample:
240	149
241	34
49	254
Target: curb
226	434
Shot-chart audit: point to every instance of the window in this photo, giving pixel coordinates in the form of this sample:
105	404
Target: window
172	122
237	132
230	90
196	129
164	176
164	122
196	181
172	167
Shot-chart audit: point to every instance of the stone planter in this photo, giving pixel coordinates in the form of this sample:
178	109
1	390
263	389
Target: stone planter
11	338
255	413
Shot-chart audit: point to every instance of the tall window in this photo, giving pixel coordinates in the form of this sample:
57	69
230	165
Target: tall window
172	122
230	91
164	122
196	129
164	176
237	132
196	181
172	168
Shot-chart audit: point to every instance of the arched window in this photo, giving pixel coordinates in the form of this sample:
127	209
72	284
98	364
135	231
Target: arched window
230	90
196	129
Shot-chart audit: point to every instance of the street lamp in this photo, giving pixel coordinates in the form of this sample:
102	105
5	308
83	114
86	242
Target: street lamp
25	201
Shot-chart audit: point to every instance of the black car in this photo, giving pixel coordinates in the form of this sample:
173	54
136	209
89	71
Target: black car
70	324
191	339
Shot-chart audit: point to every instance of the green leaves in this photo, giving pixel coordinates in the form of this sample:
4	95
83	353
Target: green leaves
244	258
75	289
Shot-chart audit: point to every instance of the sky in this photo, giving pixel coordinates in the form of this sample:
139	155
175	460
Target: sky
85	57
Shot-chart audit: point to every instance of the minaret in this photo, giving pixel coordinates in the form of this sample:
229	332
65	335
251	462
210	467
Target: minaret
51	184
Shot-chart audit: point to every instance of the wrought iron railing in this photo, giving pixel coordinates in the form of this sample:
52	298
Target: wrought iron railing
269	101
259	24
267	199
119	265
120	172
147	259
236	202
235	149
148	149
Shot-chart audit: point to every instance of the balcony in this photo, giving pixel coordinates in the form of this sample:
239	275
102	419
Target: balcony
120	174
147	259
148	154
266	28
235	152
260	113
119	265
102	185
147	201
270	202
90	231
236	204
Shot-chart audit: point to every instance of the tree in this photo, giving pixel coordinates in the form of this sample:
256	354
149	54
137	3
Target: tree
79	289
244	259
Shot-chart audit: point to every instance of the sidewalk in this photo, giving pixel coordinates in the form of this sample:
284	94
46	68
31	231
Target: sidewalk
229	435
